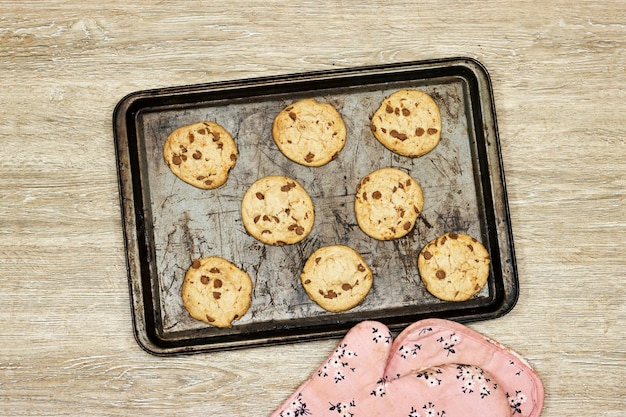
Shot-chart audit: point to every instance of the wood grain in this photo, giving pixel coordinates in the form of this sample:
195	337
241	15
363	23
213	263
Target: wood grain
67	348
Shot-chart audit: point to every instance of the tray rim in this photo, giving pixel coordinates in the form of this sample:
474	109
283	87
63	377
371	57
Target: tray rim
130	105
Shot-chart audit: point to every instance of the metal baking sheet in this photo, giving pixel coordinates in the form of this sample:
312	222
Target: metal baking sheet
168	223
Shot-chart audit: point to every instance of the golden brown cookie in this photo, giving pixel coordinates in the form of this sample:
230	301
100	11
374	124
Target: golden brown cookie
387	203
454	266
408	122
277	210
201	154
336	277
216	292
309	132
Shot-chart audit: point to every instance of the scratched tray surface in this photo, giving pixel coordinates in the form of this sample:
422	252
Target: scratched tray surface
169	223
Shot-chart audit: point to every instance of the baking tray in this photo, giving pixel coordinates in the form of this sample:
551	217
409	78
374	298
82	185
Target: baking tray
168	223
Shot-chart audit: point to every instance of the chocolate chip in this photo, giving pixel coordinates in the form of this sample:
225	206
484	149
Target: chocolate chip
330	294
217	295
204	279
407	226
406	112
233	157
317	260
346	287
441	274
453	236
257	218
389	109
309	157
293	116
427	255
196	264
260	196
432	131
400	136
360	268
285	188
176	160
217	283
376	195
197	155
419	131
214	270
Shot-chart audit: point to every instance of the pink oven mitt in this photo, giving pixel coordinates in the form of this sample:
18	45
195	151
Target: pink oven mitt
433	368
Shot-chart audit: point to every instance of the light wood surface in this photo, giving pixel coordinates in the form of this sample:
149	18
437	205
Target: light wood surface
66	342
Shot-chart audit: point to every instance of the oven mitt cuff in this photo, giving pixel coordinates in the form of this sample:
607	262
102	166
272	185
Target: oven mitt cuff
433	368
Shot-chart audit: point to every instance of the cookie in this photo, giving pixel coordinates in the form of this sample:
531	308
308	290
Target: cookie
277	210
336	278
387	203
216	292
309	132
201	154
454	266
408	122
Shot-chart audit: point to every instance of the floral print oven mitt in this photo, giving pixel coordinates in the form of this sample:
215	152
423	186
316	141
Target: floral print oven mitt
433	368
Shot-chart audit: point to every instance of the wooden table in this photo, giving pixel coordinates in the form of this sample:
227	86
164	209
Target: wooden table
66	341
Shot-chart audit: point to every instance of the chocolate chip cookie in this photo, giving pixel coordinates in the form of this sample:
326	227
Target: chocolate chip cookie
201	154
277	210
408	122
454	266
336	278
387	203
216	292
309	132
